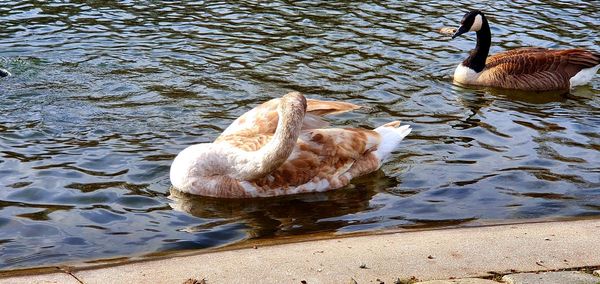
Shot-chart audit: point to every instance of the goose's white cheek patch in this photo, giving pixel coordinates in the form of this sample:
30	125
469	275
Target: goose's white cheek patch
476	26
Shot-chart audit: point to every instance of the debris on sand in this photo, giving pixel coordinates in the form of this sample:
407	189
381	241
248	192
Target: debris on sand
194	281
410	280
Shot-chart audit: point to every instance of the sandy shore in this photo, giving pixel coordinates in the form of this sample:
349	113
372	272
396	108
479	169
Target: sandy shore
481	252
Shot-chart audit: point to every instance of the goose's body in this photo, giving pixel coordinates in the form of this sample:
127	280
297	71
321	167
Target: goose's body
530	68
281	147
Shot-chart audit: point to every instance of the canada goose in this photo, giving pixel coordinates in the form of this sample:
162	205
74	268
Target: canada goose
281	147
529	68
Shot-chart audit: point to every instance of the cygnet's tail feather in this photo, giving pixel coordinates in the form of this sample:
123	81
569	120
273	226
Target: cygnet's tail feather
391	135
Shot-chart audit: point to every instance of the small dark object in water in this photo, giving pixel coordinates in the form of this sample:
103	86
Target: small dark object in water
4	73
447	31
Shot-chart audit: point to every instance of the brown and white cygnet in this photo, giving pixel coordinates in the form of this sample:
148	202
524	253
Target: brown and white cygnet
284	147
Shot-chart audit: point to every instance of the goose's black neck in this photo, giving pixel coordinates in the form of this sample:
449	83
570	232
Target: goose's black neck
477	56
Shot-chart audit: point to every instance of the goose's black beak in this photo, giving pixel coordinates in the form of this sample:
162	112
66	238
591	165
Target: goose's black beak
460	31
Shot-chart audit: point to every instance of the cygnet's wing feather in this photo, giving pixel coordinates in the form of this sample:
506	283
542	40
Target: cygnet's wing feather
257	126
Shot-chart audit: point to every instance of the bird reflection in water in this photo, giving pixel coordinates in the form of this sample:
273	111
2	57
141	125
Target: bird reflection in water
287	215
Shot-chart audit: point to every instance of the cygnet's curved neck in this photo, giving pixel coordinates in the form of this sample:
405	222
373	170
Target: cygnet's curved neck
291	111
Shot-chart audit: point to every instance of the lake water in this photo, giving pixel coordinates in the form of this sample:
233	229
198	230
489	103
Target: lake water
104	95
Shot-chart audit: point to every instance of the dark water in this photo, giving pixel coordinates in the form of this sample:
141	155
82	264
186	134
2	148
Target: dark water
103	96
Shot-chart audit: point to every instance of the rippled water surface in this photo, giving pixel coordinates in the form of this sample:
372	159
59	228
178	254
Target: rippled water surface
104	95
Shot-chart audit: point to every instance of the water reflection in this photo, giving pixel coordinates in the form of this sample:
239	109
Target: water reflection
287	215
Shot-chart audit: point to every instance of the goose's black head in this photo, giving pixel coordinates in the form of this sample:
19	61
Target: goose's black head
471	22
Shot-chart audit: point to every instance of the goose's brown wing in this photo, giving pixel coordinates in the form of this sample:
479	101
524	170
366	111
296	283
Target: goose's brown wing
536	69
